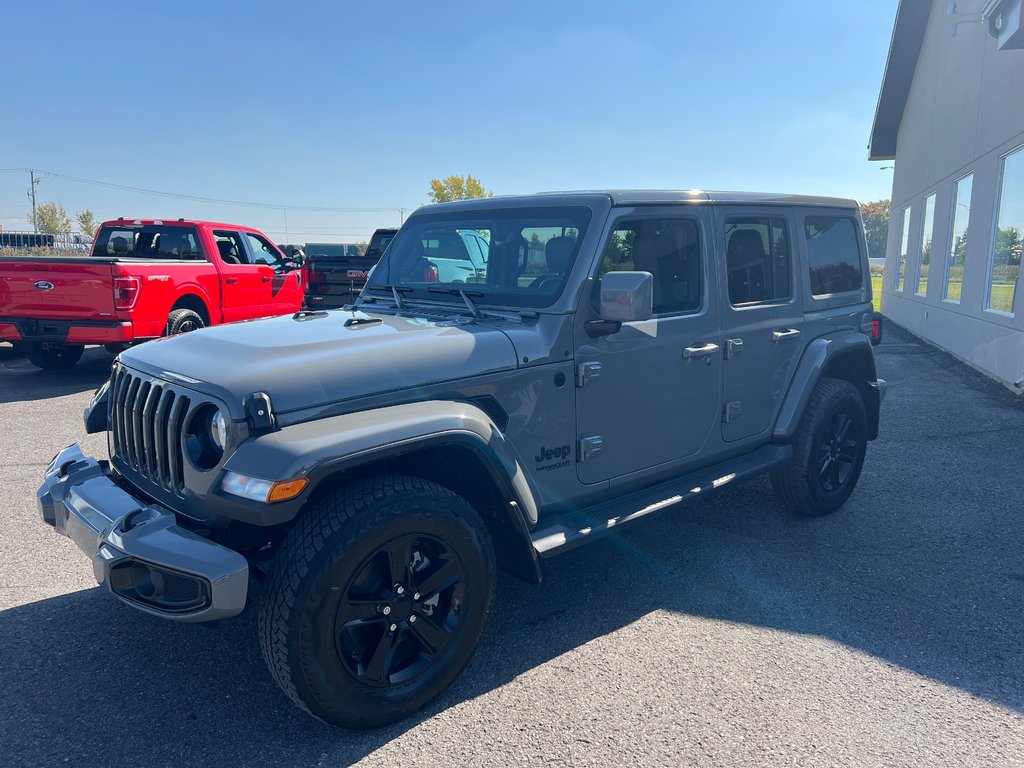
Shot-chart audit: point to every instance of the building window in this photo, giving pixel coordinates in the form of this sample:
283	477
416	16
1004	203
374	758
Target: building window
901	266
958	240
924	262
1004	265
833	255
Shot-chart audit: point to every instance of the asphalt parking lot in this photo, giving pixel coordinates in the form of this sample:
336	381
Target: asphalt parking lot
728	633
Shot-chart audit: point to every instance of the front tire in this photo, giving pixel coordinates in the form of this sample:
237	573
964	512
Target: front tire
828	451
54	357
377	600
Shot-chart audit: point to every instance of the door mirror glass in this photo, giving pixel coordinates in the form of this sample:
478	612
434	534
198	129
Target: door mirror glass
627	297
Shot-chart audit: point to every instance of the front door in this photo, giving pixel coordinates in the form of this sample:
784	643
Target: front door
242	286
650	394
282	291
761	316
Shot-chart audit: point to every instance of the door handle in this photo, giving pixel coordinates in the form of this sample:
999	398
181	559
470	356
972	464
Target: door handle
699	350
785	334
231	280
266	279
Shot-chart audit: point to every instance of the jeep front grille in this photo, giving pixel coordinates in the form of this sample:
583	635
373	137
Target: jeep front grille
147	423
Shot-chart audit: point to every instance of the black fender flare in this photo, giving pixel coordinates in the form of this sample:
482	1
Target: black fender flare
325	449
825	353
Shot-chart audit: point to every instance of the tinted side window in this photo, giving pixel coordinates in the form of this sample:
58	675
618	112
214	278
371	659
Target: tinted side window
262	251
230	247
667	248
833	254
757	256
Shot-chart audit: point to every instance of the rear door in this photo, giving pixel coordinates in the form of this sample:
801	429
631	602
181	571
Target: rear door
281	290
649	395
762	316
242	283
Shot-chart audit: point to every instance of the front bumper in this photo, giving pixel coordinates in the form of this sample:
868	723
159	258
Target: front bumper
138	551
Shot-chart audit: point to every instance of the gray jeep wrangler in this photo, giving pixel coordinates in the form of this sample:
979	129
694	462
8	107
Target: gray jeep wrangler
360	473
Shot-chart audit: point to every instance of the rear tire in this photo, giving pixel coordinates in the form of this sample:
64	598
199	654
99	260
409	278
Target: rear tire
183	321
828	451
377	600
54	357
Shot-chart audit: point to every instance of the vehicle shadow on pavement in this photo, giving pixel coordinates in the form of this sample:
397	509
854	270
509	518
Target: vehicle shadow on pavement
20	381
922	569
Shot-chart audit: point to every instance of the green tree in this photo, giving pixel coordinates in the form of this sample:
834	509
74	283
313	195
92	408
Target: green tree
457	188
51	218
1008	246
876	226
86	222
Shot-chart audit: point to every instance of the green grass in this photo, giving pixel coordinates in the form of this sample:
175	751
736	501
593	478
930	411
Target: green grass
876	291
1002	295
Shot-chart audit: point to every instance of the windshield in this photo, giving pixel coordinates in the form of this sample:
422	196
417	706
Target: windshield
519	257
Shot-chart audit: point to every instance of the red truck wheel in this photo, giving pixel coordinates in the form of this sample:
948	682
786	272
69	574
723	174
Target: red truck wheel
183	321
54	357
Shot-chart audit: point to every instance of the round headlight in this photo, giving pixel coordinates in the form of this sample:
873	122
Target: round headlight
219	429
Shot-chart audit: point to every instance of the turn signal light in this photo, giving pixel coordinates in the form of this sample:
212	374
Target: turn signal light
287	489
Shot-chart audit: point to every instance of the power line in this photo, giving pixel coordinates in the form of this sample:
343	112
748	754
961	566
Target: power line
202	199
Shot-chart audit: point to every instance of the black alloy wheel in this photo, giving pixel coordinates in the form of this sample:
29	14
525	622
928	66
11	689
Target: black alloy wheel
837	452
400	610
828	450
376	599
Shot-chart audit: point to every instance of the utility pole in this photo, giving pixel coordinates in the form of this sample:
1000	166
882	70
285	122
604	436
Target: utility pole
32	196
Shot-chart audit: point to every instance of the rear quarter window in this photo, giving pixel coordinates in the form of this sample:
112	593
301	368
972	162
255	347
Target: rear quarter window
833	254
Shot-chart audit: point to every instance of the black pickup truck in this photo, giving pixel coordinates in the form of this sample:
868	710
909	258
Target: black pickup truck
335	274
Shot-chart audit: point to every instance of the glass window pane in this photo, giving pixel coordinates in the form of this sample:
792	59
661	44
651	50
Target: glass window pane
1005	262
667	248
757	257
901	266
511	257
833	254
262	251
927	228
958	241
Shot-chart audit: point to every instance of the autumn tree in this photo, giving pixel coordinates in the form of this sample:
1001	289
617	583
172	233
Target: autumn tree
51	218
876	226
86	222
457	188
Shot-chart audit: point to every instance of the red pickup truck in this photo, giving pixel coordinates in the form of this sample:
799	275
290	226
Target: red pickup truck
144	278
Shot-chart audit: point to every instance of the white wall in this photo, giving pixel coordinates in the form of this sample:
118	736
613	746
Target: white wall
964	112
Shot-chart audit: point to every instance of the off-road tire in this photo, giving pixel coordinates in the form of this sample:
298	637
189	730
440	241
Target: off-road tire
183	321
312	576
54	358
799	483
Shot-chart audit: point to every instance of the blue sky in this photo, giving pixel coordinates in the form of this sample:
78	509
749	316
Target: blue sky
346	105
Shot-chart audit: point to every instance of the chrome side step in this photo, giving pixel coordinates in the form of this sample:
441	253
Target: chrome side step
567	530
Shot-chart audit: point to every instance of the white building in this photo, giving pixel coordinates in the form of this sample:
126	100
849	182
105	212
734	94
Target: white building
951	115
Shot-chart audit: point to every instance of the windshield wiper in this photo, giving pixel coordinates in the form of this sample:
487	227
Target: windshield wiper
396	291
473	310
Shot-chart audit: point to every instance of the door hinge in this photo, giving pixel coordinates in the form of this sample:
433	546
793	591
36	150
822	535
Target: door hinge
732	411
590	447
587	372
732	348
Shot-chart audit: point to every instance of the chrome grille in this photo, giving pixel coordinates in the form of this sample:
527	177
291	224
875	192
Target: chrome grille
147	425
